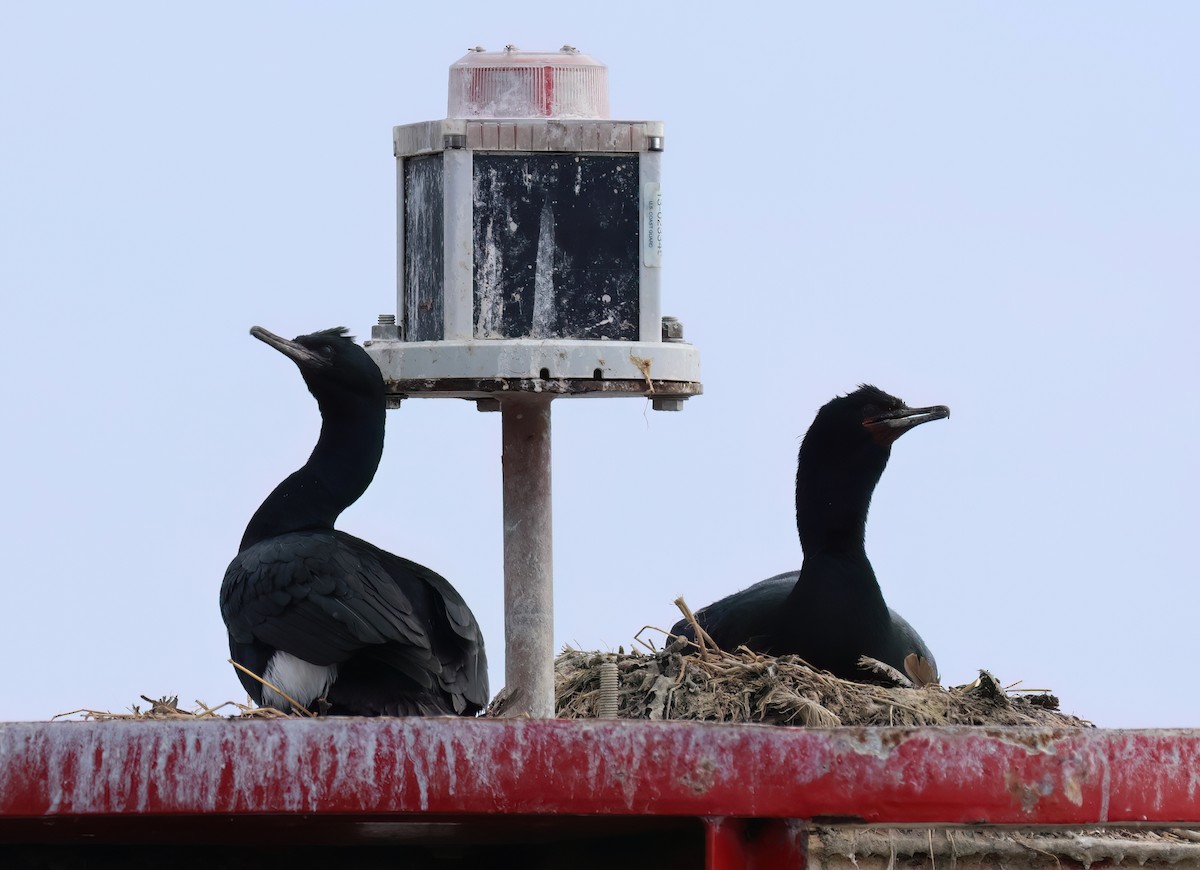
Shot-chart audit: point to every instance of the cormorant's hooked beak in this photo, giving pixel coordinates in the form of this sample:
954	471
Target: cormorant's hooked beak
886	428
297	353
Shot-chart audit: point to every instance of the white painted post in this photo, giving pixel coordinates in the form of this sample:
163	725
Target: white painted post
528	556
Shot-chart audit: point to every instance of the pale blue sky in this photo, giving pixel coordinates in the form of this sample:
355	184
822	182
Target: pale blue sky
991	206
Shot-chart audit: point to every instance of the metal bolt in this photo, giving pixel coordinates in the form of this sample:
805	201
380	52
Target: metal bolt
487	404
392	402
667	403
386	329
672	329
606	707
654	143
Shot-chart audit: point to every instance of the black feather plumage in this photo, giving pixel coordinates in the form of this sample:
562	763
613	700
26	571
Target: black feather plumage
395	637
831	612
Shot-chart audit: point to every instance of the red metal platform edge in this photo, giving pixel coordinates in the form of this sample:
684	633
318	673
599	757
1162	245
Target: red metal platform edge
409	767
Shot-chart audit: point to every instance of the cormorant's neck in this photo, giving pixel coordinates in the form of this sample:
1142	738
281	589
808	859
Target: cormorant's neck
339	470
833	495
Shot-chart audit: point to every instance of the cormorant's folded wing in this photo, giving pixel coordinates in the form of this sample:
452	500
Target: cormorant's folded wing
312	595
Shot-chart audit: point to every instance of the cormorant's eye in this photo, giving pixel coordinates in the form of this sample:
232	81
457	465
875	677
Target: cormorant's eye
326	350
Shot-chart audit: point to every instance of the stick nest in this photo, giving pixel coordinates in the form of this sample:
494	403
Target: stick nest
747	687
167	707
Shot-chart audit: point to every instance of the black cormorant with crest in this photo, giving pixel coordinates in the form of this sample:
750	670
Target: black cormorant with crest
831	612
338	624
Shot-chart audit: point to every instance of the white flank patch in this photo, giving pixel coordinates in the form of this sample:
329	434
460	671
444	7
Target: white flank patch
302	680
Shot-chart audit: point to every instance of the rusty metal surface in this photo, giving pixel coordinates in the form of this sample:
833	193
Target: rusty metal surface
395	767
558	387
754	844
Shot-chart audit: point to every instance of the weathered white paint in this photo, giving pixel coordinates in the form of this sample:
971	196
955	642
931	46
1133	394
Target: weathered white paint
650	267
459	251
534	135
528	556
526	357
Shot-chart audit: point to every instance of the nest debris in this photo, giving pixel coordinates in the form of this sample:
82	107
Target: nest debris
967	848
167	707
747	687
717	686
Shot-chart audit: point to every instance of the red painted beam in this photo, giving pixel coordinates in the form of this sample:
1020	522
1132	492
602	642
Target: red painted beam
390	767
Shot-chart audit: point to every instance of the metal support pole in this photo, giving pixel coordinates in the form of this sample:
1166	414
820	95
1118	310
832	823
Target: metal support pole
528	556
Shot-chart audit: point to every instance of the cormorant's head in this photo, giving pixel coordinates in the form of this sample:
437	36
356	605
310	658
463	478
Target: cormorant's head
870	413
841	460
887	418
330	361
